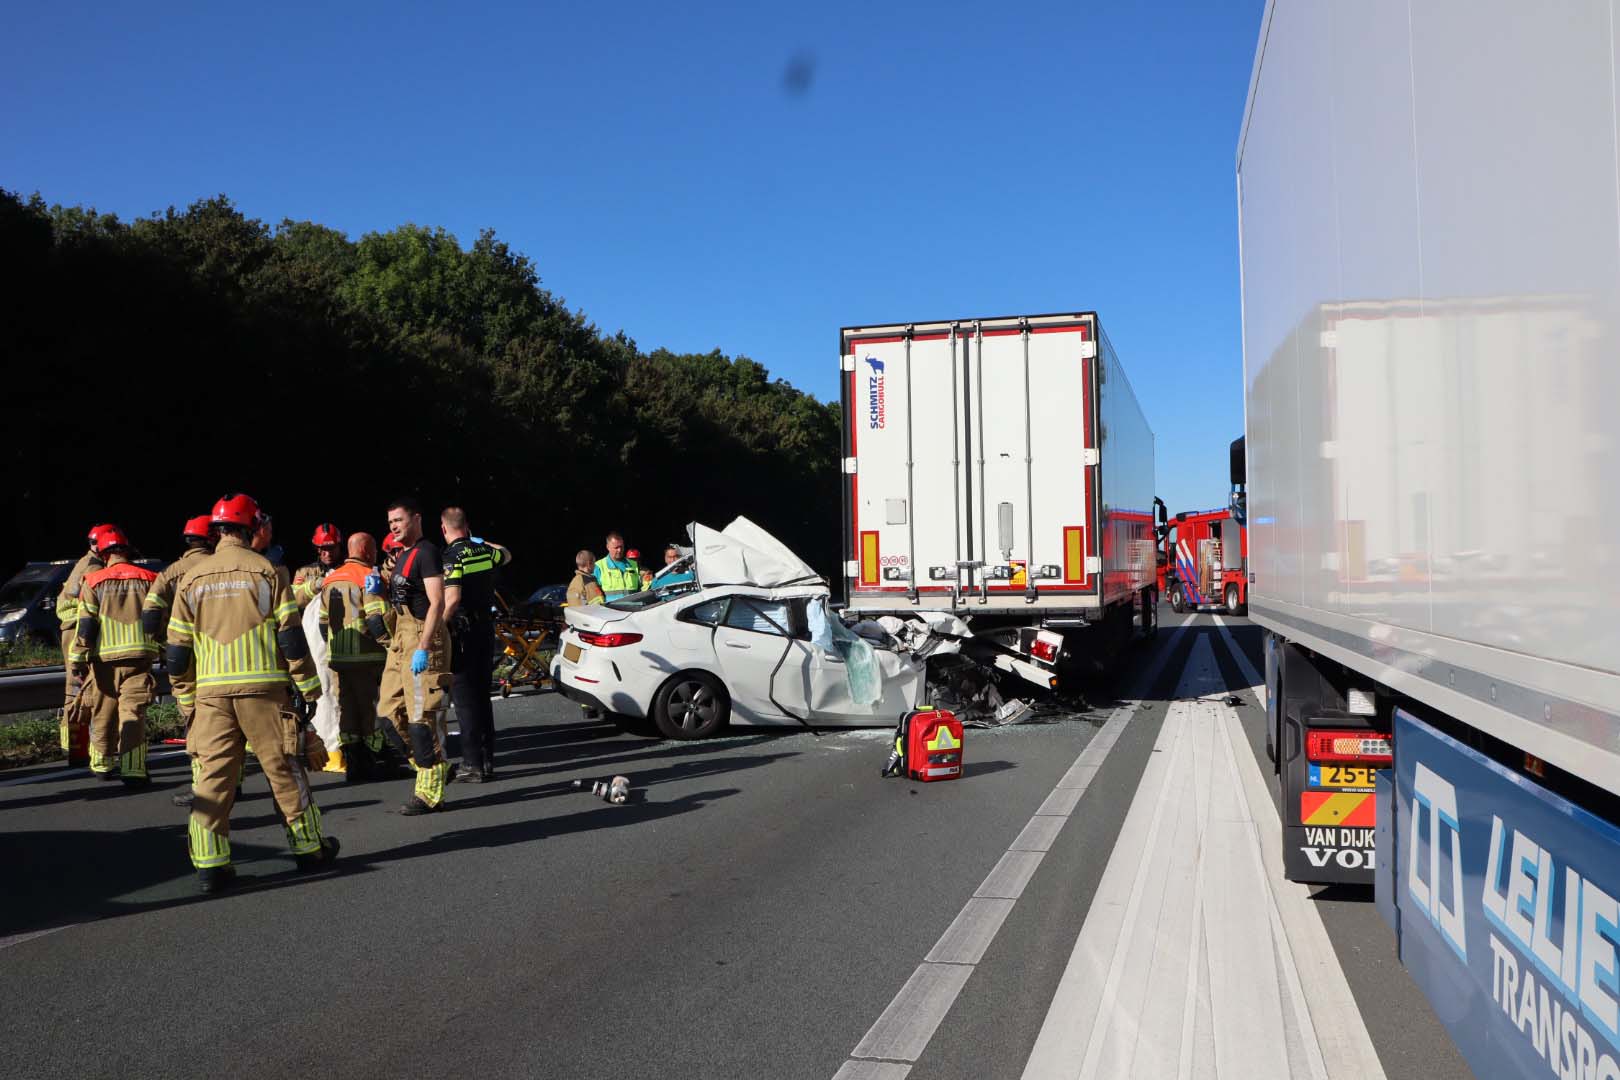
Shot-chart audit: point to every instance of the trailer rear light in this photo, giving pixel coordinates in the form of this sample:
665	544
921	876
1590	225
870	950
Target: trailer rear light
1046	646
607	641
1363	746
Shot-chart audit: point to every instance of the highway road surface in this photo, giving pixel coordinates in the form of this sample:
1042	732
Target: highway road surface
1099	896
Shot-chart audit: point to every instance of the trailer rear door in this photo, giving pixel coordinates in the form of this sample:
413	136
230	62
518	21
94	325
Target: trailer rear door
971	464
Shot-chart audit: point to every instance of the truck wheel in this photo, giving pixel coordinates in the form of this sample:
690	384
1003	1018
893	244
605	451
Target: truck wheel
1232	605
1150	614
692	705
1178	603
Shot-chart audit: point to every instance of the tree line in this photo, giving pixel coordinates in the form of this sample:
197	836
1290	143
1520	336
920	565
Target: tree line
155	364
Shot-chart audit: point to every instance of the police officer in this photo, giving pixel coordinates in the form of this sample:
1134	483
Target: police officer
416	676
469	593
113	651
235	629
155	621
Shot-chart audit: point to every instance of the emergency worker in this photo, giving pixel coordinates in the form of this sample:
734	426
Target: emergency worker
391	547
583	589
306	581
618	574
113	651
155	621
416	676
67	617
352	621
235	627
469	596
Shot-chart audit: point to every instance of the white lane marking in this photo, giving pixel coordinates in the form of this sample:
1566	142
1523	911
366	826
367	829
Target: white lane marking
1196	959
872	1070
967	938
1341	1033
915	1013
18	939
905	1027
1256	683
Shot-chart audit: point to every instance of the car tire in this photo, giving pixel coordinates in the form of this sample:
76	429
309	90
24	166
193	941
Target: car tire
1178	602
692	705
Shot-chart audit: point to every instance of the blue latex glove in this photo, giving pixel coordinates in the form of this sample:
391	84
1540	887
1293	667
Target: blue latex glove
477	539
374	583
419	660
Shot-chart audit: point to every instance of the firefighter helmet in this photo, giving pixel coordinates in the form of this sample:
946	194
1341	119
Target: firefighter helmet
391	544
96	531
196	528
327	535
109	537
235	510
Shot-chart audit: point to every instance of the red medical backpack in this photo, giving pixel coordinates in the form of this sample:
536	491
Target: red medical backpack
927	746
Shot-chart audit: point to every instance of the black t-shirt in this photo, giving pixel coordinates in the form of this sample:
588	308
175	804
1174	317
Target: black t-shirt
414	566
471	567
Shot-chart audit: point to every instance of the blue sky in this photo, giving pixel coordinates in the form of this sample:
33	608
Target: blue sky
940	162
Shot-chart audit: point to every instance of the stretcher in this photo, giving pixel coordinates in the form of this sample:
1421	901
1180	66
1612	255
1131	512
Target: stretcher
527	643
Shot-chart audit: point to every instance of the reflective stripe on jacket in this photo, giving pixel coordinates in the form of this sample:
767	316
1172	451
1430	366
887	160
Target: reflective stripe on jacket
345	609
160	597
110	602
67	600
615	581
228	611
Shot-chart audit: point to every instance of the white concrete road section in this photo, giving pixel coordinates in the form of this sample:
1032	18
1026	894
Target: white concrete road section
1196	959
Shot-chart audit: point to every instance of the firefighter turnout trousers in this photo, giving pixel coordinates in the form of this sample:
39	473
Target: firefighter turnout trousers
72	724
355	687
117	694
415	704
220	728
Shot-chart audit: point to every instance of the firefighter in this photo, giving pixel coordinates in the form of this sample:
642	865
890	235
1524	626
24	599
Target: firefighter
235	629
469	596
67	616
352	622
111	649
328	541
155	621
391	547
416	676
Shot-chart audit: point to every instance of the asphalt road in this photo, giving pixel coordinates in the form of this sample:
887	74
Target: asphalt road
750	915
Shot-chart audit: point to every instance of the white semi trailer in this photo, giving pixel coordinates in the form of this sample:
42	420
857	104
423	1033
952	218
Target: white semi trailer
999	470
1429	218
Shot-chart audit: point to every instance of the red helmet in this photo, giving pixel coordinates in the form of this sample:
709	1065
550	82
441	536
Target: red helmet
391	545
96	531
109	537
235	510
327	535
196	527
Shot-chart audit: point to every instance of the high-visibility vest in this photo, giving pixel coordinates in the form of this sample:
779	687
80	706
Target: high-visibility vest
616	581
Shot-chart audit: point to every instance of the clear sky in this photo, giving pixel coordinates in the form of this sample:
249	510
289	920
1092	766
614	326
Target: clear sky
747	177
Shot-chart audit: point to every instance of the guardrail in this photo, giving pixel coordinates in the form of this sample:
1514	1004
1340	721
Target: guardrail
30	689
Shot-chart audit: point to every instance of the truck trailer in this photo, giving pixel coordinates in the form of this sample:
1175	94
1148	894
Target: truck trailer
999	471
1429	242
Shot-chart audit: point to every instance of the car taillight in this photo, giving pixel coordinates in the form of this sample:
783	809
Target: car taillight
1366	746
607	641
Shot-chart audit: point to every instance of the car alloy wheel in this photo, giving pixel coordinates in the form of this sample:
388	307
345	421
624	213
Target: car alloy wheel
692	706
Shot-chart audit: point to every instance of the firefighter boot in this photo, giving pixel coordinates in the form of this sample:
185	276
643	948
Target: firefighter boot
215	879
322	857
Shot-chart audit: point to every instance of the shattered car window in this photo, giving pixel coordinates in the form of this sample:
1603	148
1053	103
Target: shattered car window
760	616
637	601
707	613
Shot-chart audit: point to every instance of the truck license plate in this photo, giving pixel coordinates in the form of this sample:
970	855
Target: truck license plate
572	652
1341	776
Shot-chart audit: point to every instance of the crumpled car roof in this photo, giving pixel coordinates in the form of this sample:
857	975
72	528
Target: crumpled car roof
744	554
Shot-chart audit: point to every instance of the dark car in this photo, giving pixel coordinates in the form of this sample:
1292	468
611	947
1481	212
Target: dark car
28	601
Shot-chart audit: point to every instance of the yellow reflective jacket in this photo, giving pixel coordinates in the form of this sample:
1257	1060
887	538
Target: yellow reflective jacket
618	580
228	611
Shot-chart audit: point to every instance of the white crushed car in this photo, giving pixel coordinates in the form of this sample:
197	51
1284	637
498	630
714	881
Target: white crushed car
747	639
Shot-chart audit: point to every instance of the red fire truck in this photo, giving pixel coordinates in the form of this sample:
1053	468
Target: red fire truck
1204	562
